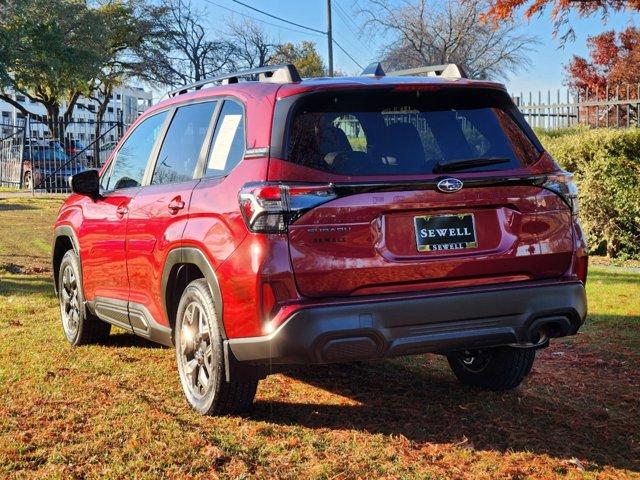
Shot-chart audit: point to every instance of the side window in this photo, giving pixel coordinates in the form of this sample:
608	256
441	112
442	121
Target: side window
228	141
182	144
127	168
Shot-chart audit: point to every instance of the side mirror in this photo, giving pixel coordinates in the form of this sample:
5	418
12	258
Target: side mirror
86	183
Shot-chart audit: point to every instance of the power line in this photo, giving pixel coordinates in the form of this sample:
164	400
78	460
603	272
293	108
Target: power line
347	53
316	31
360	44
349	19
260	19
278	18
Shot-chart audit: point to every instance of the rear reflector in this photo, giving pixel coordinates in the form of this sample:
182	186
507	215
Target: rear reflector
581	267
271	207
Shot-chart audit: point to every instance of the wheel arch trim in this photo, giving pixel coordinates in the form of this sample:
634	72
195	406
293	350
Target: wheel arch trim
68	232
194	256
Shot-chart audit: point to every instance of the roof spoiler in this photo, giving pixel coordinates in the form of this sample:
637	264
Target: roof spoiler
448	70
286	73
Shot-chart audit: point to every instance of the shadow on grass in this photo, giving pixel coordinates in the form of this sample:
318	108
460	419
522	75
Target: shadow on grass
126	339
613	277
426	407
5	206
26	284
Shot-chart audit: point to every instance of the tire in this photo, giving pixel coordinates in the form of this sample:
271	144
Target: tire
79	325
200	359
496	369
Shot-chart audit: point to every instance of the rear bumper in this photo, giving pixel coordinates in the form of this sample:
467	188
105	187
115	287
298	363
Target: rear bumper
439	322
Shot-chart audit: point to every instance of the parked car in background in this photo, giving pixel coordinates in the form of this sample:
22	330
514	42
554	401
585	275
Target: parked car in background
79	151
290	221
46	165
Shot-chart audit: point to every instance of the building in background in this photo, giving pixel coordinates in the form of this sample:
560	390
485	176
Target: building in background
126	104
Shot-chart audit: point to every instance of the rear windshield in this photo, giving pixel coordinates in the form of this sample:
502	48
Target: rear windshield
385	132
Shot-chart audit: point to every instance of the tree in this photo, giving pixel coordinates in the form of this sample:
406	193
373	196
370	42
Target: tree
48	54
615	60
614	63
304	56
449	32
130	28
504	10
188	54
252	47
55	52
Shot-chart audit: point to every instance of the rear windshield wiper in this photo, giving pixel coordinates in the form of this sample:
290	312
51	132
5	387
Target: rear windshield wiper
465	163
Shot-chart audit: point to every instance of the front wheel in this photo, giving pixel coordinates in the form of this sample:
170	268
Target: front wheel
200	358
80	326
497	369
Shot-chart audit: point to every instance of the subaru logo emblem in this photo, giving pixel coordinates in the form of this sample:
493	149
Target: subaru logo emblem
449	185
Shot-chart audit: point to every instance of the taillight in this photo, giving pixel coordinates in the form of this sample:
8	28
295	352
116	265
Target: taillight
271	207
563	185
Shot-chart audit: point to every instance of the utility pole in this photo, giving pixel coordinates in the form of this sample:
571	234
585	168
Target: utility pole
330	38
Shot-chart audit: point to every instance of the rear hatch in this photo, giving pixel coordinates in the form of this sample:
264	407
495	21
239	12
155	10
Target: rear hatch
427	188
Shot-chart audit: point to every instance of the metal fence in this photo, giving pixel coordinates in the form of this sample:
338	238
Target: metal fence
615	107
12	137
39	156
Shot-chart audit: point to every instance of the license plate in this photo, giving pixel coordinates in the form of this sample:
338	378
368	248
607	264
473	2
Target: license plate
445	232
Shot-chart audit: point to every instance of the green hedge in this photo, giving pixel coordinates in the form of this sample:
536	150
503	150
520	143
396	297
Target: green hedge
606	165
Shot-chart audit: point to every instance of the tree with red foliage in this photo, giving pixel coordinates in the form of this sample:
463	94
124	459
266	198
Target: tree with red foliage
611	73
500	10
615	60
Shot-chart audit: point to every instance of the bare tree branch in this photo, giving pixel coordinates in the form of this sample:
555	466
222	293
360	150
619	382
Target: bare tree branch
426	32
253	48
187	54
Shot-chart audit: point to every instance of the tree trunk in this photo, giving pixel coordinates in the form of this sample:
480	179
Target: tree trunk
612	248
53	121
102	108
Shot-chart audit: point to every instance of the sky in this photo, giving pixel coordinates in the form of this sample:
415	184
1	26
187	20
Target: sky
547	60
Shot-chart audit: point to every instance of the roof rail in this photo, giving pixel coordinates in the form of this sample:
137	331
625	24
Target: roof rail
286	73
448	70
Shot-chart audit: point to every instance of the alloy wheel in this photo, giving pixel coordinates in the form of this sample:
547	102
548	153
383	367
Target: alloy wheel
475	361
69	304
196	350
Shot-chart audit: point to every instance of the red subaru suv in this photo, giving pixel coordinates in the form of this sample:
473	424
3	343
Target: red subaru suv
259	219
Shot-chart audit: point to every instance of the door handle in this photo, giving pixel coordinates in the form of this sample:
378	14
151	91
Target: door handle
122	210
175	205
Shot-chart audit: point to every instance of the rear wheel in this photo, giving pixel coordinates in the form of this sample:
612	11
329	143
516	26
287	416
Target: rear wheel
496	369
200	359
80	326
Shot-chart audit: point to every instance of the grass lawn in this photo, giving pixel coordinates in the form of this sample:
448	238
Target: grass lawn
117	410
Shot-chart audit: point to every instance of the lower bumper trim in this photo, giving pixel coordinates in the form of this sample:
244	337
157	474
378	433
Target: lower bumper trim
441	322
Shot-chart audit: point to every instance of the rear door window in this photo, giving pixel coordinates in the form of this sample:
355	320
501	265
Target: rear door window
382	132
183	143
